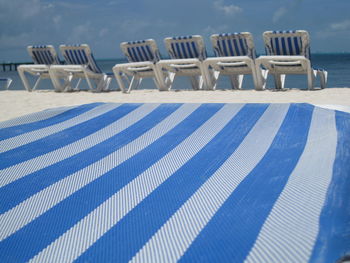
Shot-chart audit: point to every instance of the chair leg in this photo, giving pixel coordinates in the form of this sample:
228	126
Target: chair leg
202	83
88	81
118	76
279	81
169	80
101	83
195	82
8	83
37	83
265	73
323	78
107	84
24	78
159	78
216	76
236	81
212	77
77	85
134	84
311	78
260	77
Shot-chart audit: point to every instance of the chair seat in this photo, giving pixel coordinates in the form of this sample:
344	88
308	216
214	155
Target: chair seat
235	54
43	57
142	56
288	52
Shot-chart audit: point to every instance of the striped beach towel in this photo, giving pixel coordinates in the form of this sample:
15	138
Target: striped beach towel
107	182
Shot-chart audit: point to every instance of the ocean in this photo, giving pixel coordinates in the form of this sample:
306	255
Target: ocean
337	65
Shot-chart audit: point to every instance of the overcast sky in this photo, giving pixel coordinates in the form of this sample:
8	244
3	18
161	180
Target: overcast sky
104	24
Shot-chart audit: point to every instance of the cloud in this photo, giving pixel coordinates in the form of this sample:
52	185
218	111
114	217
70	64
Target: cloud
228	10
283	11
279	14
341	26
215	30
332	30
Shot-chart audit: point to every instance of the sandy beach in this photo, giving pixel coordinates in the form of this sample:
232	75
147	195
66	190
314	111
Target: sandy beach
19	103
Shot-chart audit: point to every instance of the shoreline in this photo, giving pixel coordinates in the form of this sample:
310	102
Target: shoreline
16	103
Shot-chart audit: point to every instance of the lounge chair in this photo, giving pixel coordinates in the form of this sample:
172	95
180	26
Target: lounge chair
187	54
7	81
80	64
43	57
142	56
288	52
235	54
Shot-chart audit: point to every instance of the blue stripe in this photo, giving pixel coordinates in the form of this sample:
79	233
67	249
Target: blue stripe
139	53
136	54
94	65
243	47
177	53
218	49
152	57
333	238
72	57
195	50
35	57
85	200
232	52
68	57
236	47
184	51
277	48
290	46
189	50
43	57
83	159
147	58
83	58
224	49
59	139
284	48
230	234
136	229
13	131
297	46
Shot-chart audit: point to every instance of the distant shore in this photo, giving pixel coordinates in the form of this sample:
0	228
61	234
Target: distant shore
15	103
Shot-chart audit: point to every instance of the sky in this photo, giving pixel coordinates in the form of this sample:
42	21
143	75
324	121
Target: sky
105	24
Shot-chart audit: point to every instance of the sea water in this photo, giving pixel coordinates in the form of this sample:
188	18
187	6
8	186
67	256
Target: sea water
337	65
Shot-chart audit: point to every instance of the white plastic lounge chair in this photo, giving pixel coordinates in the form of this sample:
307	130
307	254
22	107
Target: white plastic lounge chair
288	52
7	81
80	63
43	57
235	54
187	54
142	56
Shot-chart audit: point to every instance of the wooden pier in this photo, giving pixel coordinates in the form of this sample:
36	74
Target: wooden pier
10	66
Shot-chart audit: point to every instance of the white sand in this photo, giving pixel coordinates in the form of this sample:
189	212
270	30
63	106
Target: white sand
17	103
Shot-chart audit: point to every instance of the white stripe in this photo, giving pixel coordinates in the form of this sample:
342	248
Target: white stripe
20	170
32	136
176	235
337	107
34	117
290	231
117	206
39	203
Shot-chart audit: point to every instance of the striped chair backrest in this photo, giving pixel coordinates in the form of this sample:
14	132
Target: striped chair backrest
186	47
287	43
142	50
79	55
236	44
45	55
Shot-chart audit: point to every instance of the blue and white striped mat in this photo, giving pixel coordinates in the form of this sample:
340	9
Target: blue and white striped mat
110	182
